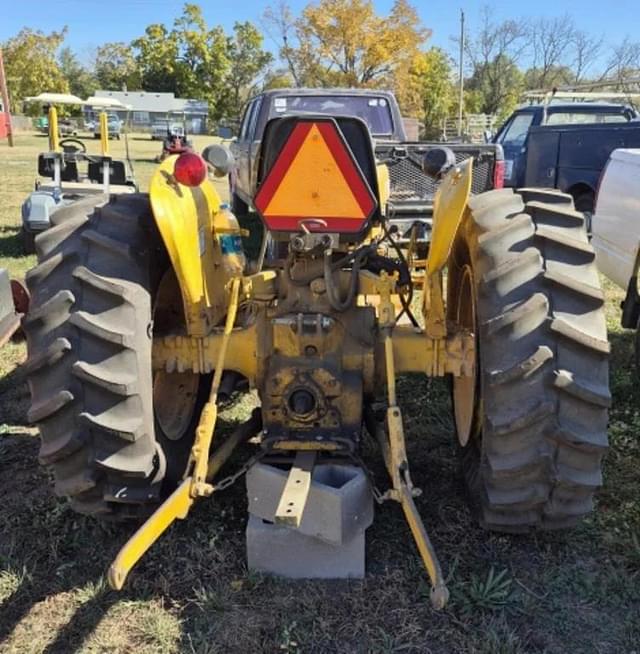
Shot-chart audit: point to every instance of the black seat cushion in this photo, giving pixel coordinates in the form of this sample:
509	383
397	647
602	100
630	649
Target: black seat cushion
117	172
68	169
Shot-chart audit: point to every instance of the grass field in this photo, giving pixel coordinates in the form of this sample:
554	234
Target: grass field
565	592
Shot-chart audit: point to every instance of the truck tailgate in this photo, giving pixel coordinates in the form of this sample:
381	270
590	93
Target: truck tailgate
411	189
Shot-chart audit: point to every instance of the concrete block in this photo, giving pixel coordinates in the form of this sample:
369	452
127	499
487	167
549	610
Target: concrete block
339	505
287	553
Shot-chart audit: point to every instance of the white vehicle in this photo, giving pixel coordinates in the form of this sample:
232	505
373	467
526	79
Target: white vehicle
616	231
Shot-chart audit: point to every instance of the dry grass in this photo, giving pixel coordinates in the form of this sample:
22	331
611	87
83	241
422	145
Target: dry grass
555	593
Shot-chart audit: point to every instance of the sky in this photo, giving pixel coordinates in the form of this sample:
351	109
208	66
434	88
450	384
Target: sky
123	20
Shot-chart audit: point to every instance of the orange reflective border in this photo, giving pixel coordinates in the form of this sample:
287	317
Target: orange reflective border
318	182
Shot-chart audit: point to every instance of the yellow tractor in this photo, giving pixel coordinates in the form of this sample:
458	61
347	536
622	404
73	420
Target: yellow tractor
143	305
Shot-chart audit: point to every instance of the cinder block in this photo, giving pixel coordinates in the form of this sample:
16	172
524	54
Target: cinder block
339	505
287	553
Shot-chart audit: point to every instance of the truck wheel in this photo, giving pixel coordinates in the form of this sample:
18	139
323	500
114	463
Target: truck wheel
532	424
238	206
584	202
99	295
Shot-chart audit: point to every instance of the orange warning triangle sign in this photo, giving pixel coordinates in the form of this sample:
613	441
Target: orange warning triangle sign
316	179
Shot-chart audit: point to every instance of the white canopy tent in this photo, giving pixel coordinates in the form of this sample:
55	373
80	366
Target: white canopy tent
56	98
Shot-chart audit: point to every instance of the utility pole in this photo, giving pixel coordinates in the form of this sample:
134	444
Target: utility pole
5	100
461	72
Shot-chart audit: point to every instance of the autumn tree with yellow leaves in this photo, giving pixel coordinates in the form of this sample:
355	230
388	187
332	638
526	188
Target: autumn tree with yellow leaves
346	43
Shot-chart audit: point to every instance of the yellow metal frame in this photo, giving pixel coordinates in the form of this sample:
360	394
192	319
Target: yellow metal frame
104	134
449	205
54	139
185	219
195	484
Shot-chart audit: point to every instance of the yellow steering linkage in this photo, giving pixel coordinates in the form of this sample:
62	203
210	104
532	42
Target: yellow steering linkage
194	485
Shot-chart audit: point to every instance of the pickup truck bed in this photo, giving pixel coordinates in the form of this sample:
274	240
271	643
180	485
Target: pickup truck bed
572	157
412	191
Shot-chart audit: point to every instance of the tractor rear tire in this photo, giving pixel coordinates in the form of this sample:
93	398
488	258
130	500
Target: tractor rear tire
89	337
533	457
238	206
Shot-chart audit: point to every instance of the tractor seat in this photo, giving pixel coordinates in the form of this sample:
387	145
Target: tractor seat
68	172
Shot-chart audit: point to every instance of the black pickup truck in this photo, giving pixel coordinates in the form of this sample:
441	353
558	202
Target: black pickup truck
411	199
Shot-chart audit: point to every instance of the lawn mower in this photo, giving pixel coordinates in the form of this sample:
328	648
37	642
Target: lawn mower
61	179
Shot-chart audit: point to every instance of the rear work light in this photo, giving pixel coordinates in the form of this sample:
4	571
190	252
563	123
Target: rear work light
190	169
498	174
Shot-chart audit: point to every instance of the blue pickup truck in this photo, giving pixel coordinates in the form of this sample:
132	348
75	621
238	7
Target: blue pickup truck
565	146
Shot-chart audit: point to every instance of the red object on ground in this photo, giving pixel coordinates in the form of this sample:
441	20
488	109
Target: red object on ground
3	126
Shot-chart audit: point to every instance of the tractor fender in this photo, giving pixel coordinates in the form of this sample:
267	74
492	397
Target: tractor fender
184	216
449	206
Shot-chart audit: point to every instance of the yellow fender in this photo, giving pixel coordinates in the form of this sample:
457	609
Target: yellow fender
449	206
185	218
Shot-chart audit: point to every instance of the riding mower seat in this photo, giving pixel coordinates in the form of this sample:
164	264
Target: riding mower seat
68	173
117	173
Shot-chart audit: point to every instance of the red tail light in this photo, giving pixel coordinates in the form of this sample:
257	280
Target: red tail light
498	174
190	169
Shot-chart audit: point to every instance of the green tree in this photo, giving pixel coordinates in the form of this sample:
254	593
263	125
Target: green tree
499	84
116	67
156	56
202	62
430	91
495	52
277	79
248	64
190	59
31	65
195	60
538	78
81	81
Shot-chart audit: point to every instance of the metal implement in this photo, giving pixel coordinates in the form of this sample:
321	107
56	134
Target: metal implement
394	452
174	508
296	490
195	482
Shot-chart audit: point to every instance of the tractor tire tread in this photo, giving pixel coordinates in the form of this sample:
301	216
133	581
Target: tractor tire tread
544	368
89	355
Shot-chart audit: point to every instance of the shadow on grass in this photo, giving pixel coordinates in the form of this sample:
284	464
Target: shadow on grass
11	242
198	570
82	624
62	557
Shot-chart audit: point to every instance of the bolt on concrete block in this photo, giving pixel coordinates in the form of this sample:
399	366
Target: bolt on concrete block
339	505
